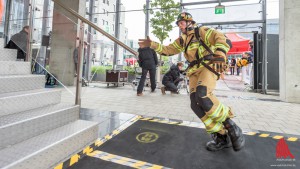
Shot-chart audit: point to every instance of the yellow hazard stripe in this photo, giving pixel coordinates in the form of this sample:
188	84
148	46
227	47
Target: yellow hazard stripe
124	160
292	139
89	149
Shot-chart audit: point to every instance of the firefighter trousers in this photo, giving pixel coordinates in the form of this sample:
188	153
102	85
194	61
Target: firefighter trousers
205	104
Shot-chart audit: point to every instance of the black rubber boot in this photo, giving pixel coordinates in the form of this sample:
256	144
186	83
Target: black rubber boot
219	142
235	133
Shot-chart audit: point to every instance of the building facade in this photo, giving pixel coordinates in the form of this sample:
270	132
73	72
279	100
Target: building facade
104	16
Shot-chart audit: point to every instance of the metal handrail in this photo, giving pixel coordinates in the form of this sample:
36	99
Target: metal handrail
74	13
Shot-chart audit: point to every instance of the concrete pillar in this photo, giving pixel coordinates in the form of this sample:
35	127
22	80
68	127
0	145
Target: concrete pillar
65	29
289	49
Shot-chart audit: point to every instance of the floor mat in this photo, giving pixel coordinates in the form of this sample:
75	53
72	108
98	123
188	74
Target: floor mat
183	147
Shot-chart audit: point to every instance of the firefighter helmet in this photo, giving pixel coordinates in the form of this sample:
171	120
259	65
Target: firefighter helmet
184	16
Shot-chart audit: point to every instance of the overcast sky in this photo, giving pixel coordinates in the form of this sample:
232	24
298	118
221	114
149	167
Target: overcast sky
135	21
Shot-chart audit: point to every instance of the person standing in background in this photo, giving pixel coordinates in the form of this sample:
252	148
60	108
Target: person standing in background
232	66
148	61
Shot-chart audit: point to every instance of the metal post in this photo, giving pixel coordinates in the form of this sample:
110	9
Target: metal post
89	39
147	18
117	31
30	23
79	66
6	23
264	41
43	49
180	54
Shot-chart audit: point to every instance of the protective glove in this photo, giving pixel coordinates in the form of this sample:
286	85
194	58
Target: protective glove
145	42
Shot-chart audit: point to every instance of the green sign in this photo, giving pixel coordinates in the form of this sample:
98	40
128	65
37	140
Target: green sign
220	9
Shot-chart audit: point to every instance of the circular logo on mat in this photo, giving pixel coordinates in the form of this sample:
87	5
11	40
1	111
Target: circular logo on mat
147	137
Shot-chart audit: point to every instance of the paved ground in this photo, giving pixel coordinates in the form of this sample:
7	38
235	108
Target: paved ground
253	111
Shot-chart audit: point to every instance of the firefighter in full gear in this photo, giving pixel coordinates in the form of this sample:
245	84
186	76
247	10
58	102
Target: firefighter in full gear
203	47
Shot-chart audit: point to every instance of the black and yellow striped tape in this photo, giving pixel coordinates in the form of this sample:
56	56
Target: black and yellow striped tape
124	160
76	157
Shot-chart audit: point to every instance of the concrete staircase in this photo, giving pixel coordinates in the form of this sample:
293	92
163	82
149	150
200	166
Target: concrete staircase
36	130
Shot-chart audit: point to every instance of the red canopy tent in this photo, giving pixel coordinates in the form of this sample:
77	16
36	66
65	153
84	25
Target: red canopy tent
131	60
1	9
239	44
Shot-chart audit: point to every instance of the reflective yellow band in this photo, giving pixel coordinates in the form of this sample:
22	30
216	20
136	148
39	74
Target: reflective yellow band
191	47
207	122
216	113
224	114
207	35
216	128
159	48
177	46
225	48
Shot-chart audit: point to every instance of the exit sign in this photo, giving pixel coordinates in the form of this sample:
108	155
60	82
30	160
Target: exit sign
220	9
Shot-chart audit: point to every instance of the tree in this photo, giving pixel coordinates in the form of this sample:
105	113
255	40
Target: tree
163	13
163	17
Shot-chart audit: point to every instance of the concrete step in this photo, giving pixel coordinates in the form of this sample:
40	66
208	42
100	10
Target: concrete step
21	126
8	54
14	68
15	102
49	149
14	83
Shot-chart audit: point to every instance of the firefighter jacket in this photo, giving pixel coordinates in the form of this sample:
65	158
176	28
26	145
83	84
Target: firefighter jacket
189	44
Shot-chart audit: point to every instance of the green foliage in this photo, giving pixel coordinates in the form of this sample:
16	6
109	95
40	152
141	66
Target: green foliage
165	59
162	19
130	70
101	69
164	69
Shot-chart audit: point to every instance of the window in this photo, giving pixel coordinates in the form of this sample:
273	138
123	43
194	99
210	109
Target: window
95	32
107	2
106	22
95	20
104	11
113	27
114	8
103	21
104	1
